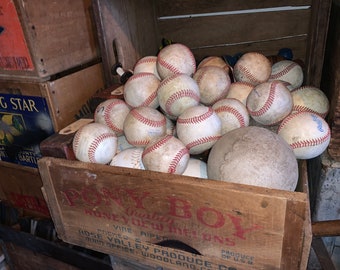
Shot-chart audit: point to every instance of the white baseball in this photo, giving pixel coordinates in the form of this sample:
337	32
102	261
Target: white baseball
213	83
233	114
143	124
175	59
199	128
269	103
112	112
129	158
253	68
141	90
240	91
196	168
177	93
216	61
147	64
95	143
310	99
287	71
307	133
166	154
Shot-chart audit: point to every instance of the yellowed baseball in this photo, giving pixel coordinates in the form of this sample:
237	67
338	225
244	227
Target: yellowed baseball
199	127
287	71
166	154
253	68
177	93
175	59
233	114
213	83
307	133
112	112
310	99
147	64
129	158
269	103
95	143
141	90
240	91
216	61
144	124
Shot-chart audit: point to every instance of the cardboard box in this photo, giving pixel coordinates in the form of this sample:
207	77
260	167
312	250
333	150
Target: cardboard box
39	39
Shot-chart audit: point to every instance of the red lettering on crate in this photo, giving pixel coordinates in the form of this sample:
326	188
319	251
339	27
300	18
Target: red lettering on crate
29	203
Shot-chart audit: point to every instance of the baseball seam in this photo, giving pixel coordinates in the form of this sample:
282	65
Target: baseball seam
248	74
149	122
202	140
177	159
286	120
146	60
196	119
311	142
137	143
149	100
268	103
156	145
177	96
233	112
107	114
95	143
168	66
283	72
301	108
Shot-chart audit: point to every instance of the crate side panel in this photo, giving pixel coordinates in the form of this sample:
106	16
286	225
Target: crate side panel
99	204
61	34
178	7
69	96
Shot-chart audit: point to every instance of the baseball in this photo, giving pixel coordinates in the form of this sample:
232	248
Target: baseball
310	99
253	68
175	59
177	93
240	91
253	156
129	158
307	133
95	143
233	114
199	128
215	61
143	124
213	83
112	112
269	103
196	168
166	154
141	90
122	144
287	71
147	64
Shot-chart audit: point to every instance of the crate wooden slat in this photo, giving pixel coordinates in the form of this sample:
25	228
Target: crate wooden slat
129	30
126	212
42	38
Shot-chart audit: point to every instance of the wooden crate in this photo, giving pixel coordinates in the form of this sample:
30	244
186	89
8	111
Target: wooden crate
129	30
20	186
126	212
42	108
331	79
39	39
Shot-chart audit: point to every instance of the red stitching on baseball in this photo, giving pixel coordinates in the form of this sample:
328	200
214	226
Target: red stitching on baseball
141	143
269	102
178	95
196	119
95	143
141	75
107	114
168	66
149	100
287	119
177	159
201	141
311	142
283	71
76	140
232	111
156	145
247	73
147	60
147	121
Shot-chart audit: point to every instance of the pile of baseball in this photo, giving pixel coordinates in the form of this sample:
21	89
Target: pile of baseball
252	121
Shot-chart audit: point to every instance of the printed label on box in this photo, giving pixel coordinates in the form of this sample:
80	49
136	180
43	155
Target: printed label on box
24	123
14	53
